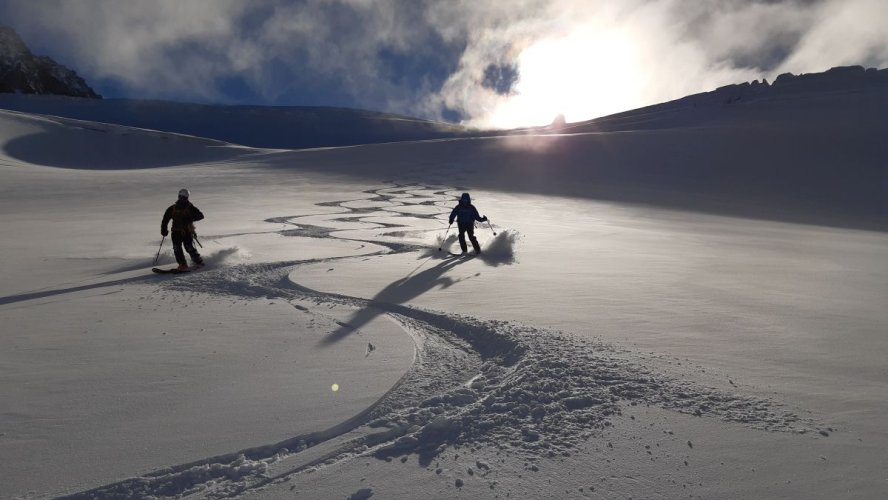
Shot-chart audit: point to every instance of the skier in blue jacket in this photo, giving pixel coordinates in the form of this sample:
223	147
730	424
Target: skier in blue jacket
466	214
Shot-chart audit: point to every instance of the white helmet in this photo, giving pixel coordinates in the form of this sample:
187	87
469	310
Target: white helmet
183	193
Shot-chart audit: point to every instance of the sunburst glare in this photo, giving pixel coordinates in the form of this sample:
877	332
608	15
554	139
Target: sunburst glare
583	75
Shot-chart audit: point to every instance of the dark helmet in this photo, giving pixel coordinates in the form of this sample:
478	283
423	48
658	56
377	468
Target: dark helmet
465	198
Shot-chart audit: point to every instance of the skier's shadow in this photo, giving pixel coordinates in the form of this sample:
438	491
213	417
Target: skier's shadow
11	299
398	292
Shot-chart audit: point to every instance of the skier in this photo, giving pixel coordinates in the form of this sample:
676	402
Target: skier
466	214
183	215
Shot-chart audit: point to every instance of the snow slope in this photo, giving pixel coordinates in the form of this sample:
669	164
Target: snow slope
292	127
806	148
813	158
89	145
598	349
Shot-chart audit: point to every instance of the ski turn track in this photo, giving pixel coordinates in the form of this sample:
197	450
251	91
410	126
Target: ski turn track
519	389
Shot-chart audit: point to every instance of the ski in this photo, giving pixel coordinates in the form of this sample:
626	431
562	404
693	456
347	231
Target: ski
465	255
169	271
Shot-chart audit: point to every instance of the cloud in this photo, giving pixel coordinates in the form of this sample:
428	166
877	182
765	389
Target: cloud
842	33
676	47
488	62
160	47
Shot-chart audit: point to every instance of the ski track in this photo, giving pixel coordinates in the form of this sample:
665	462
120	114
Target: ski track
532	392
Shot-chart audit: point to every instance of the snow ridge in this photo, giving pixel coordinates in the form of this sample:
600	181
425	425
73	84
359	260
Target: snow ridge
516	388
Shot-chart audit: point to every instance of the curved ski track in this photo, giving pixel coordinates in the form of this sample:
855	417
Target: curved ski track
513	387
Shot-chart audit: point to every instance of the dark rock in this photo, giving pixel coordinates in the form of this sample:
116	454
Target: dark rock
21	72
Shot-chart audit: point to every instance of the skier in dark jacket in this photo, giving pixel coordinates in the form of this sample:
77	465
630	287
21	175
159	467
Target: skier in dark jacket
183	215
466	214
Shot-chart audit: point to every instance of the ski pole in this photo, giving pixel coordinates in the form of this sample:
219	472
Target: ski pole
193	232
158	250
491	227
445	236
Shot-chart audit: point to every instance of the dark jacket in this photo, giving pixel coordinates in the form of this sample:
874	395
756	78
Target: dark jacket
183	215
465	214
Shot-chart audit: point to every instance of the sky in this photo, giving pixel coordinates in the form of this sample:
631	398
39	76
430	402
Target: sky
486	63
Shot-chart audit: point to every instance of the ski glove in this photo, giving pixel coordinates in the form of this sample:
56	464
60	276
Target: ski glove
163	232
484	219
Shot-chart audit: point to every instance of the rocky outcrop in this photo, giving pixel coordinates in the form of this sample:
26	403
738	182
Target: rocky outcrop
22	72
839	78
843	78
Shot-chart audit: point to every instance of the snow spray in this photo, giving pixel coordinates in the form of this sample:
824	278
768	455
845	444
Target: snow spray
217	257
443	243
501	249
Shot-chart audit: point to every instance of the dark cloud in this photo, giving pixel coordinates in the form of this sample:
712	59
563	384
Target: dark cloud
500	78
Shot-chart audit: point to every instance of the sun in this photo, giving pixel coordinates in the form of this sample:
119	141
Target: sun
583	75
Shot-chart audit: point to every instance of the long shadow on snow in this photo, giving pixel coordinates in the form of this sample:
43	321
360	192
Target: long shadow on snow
11	299
89	149
398	292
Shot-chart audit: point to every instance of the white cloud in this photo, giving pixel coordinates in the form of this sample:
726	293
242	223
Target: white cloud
139	43
847	32
185	48
678	47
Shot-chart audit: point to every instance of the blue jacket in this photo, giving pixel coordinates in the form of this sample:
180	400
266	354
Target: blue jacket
465	214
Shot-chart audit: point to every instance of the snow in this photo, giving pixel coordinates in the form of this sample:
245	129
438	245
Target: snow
596	348
255	126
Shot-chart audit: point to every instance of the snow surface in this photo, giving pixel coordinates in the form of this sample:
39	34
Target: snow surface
256	126
594	350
